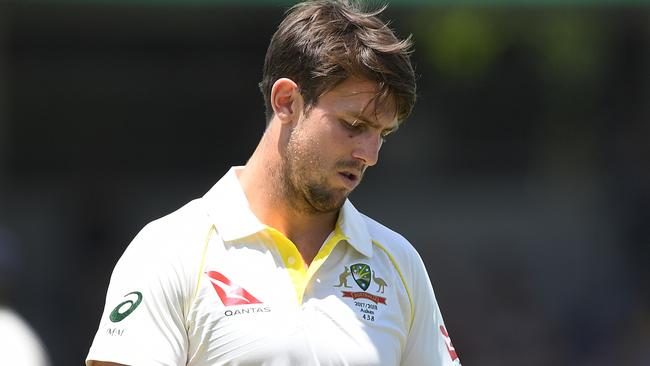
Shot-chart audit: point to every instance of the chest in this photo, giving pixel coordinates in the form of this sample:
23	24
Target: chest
246	311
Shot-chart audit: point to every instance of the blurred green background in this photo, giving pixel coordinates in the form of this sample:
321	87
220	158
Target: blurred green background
522	177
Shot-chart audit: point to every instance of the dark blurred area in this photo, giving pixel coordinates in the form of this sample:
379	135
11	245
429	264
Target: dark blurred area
522	177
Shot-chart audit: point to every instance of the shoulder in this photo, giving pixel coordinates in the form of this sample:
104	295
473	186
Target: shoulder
390	241
176	230
173	240
399	251
165	256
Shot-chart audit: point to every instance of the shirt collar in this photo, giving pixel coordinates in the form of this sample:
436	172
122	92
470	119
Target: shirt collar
353	226
228	208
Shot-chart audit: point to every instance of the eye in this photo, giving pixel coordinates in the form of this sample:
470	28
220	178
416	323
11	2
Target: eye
354	126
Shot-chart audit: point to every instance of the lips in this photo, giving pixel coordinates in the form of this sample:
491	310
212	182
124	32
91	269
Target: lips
350	179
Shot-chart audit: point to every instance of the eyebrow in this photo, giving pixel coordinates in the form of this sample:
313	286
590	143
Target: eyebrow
374	124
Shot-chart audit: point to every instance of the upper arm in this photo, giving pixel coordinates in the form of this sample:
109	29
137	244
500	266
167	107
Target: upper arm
428	341
144	315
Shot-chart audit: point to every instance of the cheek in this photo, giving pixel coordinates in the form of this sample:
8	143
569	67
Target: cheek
305	152
321	142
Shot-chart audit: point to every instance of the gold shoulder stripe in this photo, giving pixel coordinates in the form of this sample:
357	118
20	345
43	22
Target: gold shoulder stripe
401	275
211	232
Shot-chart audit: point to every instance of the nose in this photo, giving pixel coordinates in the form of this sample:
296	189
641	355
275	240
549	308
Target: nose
367	148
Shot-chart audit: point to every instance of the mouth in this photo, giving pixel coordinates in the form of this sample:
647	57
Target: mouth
351	179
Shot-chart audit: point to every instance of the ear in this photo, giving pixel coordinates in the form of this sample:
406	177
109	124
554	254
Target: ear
286	100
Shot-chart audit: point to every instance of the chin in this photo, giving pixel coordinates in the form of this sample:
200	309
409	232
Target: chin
331	208
326	201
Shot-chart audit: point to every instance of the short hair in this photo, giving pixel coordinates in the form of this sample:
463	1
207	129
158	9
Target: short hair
321	43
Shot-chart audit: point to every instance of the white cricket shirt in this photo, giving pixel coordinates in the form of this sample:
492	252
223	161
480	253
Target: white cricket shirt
211	285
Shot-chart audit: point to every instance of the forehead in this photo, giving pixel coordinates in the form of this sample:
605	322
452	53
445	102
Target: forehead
357	97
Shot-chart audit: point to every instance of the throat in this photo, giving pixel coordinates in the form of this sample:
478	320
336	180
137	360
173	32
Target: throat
309	239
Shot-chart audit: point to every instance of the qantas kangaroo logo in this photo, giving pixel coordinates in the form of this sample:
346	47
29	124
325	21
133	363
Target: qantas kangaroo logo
230	293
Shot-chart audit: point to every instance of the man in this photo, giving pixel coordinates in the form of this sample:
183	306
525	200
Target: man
274	266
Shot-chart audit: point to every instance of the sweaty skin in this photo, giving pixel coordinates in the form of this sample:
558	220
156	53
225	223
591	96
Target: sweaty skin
306	164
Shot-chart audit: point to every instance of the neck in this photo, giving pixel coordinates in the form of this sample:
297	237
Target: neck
262	183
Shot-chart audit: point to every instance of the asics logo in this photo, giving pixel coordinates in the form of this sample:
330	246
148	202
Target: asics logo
120	312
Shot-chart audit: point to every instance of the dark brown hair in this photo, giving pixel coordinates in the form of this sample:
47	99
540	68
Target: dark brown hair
321	43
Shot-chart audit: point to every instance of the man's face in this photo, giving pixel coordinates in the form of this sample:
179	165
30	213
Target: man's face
330	147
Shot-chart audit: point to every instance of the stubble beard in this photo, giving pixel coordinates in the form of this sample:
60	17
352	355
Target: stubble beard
305	187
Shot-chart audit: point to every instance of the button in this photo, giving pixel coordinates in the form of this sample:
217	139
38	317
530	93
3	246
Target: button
291	260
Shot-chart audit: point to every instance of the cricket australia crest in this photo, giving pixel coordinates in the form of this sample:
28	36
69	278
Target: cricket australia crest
361	275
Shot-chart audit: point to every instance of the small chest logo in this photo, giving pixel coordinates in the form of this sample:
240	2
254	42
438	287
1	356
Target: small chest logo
363	275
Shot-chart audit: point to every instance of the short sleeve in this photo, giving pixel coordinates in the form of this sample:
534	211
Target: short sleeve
143	322
428	341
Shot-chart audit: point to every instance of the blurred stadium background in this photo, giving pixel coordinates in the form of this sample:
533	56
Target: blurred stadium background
523	175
